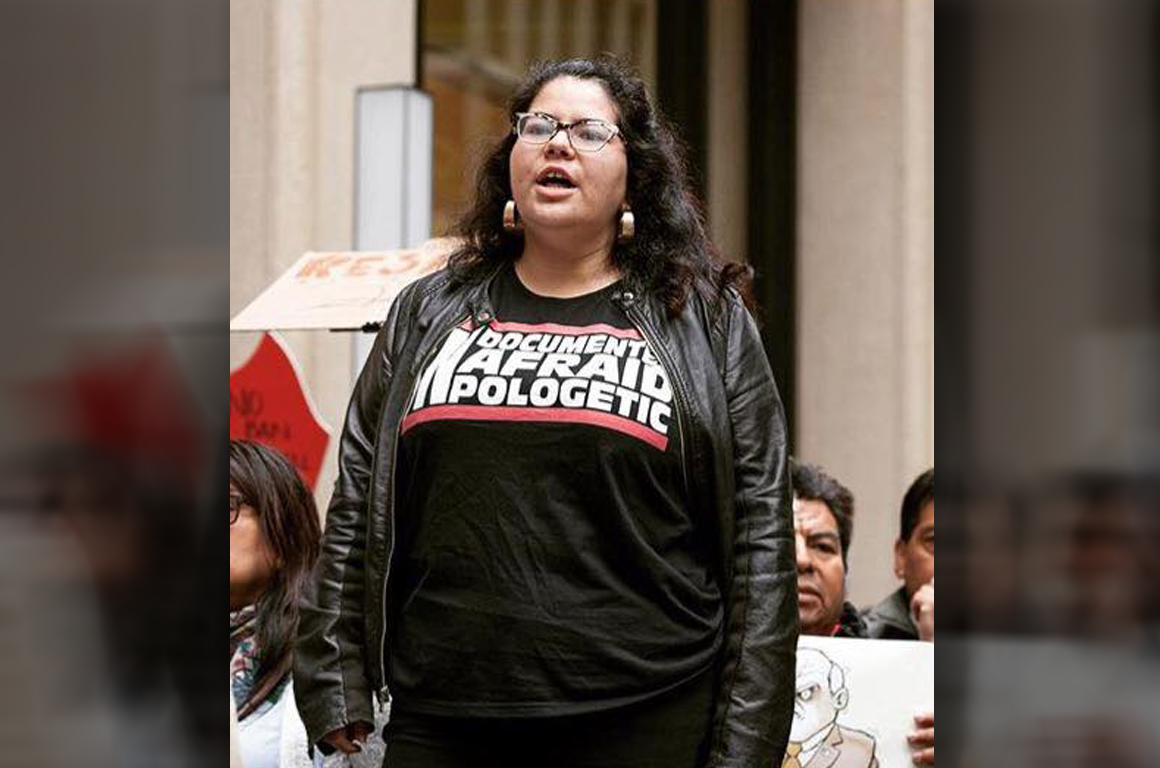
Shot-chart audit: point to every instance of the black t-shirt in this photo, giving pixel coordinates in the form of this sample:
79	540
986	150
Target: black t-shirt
548	561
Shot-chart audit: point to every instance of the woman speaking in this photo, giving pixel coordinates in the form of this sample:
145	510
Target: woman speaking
560	534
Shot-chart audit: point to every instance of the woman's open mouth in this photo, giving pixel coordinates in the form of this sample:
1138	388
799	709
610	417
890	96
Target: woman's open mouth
554	179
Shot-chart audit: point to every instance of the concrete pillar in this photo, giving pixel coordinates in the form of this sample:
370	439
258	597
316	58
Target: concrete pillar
295	66
728	125
866	260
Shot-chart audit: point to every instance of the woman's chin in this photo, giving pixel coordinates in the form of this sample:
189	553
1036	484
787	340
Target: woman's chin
546	219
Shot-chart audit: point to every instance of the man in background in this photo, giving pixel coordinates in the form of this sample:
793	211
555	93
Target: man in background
823	513
823	521
908	613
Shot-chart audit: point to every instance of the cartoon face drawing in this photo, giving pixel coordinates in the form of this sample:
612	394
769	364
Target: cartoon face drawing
817	739
820	694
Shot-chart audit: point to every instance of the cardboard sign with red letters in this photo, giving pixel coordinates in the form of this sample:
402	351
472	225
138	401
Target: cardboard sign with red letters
341	290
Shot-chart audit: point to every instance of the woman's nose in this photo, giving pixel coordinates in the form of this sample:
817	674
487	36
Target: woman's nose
559	144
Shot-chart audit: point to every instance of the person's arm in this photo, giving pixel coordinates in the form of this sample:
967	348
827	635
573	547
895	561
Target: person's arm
332	689
755	702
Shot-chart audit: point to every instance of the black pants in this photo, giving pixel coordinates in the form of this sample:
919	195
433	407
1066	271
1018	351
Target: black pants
667	731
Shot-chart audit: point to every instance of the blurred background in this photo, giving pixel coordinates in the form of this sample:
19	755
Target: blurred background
810	130
114	161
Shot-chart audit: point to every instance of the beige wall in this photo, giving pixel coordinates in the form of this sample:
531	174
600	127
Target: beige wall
728	161
866	260
294	68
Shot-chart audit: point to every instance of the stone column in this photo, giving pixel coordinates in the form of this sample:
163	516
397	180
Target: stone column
866	260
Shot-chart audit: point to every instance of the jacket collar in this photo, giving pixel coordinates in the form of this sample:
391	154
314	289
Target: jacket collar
850	623
894	610
828	753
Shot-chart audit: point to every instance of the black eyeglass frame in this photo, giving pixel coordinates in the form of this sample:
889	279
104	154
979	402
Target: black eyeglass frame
560	125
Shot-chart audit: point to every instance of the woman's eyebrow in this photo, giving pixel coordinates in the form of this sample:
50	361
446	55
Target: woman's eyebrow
577	120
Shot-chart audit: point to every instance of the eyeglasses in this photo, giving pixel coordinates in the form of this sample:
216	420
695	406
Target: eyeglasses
588	135
236	502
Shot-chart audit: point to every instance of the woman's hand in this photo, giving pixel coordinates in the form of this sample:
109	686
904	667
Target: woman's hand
350	739
922	741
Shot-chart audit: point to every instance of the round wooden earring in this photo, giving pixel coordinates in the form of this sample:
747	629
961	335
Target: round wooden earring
511	221
627	228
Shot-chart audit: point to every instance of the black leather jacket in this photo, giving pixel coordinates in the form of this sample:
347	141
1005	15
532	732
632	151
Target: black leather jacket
733	435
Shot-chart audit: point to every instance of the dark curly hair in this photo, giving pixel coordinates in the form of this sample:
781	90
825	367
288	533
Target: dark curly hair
812	483
671	252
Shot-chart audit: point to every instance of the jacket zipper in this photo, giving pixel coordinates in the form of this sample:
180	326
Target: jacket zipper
415	373
666	361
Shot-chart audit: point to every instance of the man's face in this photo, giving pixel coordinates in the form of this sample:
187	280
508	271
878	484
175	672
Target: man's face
914	557
821	572
814	709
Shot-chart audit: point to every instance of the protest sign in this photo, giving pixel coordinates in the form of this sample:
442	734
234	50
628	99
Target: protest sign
855	701
341	290
269	405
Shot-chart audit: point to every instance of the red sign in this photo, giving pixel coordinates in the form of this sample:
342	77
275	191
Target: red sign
128	400
269	405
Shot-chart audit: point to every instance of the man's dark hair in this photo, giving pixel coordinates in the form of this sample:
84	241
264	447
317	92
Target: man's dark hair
918	495
811	483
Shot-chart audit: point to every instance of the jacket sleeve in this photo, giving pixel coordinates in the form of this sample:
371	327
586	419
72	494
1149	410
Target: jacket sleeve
331	682
755	703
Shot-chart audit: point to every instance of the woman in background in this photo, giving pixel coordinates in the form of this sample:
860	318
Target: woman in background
274	541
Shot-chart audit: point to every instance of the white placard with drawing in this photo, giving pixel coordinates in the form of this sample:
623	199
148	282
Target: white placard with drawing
855	701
